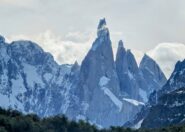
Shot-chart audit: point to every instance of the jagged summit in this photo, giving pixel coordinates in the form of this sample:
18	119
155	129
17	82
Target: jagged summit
176	79
180	65
129	51
76	63
120	44
2	39
102	28
27	45
152	73
148	62
102	23
145	57
102	41
127	71
120	50
132	64
75	66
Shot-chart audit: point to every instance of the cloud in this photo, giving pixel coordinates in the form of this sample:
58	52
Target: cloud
75	45
19	3
143	23
63	50
138	55
167	54
78	36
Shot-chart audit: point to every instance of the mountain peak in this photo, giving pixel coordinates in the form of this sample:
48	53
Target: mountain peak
146	60
180	65
129	51
102	28
120	50
177	78
75	67
149	67
2	39
103	37
120	44
102	23
76	63
146	56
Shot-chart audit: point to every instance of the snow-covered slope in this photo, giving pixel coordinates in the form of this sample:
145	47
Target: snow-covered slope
168	111
30	79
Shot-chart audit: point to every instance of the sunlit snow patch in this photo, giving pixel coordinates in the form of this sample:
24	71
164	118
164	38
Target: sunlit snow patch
138	125
143	94
103	81
114	99
134	102
130	75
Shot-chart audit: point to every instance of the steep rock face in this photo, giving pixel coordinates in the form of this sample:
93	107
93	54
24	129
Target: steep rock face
177	79
98	85
152	74
137	83
98	91
99	63
127	71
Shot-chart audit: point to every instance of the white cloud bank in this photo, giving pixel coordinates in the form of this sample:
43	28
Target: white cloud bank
75	45
72	47
167	54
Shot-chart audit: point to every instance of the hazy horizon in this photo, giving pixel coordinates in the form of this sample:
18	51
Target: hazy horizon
67	28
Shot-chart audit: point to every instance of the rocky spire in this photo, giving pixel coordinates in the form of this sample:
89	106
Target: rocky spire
146	60
99	60
102	28
97	76
127	71
103	38
132	64
120	44
120	57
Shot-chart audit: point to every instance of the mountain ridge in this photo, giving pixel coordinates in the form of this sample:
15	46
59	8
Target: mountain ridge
31	81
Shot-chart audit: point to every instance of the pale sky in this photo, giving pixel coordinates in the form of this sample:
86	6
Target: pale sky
67	28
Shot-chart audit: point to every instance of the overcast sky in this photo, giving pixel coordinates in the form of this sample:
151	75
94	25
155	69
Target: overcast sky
67	28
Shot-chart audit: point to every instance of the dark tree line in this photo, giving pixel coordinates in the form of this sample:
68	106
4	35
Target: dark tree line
15	121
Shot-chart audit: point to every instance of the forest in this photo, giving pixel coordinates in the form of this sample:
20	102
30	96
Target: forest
15	121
